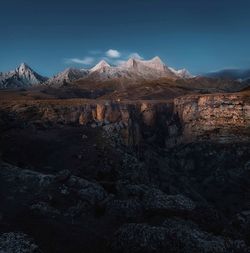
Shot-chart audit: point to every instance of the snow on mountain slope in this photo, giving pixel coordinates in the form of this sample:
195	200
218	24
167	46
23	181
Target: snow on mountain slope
181	73
155	63
22	76
103	71
68	75
101	66
133	69
149	69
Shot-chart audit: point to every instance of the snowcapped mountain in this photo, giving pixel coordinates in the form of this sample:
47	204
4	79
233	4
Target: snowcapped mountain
155	63
22	76
149	69
101	66
103	71
136	69
132	70
182	73
67	76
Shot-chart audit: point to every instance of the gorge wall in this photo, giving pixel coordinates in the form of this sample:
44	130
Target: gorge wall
220	117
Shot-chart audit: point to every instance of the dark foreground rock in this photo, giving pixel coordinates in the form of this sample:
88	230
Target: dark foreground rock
172	236
16	242
76	194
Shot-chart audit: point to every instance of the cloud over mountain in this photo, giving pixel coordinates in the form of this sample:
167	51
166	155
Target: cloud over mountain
113	53
135	56
112	56
85	61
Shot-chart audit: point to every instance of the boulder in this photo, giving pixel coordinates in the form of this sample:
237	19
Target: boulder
174	236
157	201
17	242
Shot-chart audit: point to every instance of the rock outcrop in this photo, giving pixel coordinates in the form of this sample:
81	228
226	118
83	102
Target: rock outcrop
215	117
172	236
221	117
17	242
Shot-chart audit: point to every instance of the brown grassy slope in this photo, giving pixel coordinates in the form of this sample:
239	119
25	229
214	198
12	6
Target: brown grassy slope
124	89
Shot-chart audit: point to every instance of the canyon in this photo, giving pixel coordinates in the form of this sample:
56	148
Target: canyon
106	163
218	117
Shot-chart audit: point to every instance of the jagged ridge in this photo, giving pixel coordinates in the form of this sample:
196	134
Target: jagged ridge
133	69
22	76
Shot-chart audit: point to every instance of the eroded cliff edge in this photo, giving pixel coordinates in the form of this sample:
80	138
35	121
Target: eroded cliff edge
214	117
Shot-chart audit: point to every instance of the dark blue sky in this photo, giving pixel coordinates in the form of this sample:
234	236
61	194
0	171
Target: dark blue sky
51	35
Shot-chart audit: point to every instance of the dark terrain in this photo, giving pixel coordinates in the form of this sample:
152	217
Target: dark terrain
158	168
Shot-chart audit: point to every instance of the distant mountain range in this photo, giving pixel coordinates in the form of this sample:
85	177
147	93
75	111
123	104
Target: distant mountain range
133	69
232	74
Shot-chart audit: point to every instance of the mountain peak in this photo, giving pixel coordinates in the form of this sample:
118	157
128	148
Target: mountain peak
156	59
181	73
68	75
130	63
24	69
22	76
155	63
28	75
102	64
23	66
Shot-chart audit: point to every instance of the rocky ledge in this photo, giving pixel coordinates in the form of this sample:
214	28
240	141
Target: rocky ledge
215	117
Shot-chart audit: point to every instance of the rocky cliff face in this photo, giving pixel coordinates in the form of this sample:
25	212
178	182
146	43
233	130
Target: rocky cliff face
221	117
60	172
213	117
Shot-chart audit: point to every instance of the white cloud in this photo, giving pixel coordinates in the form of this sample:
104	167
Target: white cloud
135	56
123	58
112	53
112	56
84	61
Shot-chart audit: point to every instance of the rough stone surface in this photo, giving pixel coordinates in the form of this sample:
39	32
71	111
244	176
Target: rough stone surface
173	236
156	201
16	242
222	118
